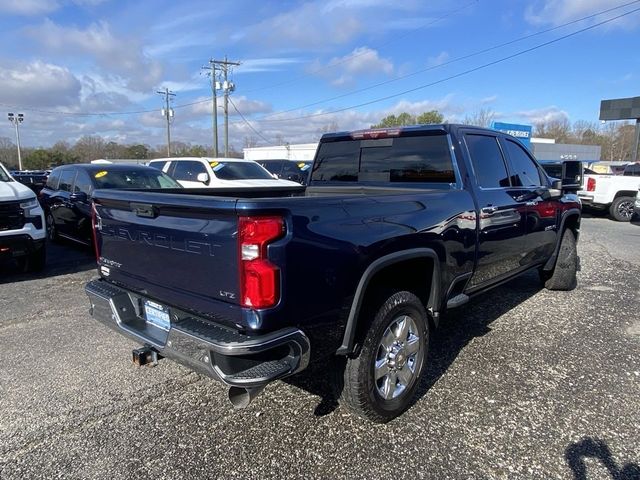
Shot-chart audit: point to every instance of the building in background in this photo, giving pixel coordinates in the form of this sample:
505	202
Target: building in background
301	151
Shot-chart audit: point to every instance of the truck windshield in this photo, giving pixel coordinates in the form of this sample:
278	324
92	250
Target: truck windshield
425	158
240	171
133	179
4	176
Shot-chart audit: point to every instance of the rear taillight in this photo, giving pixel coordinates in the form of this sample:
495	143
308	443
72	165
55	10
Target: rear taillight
94	234
591	184
259	278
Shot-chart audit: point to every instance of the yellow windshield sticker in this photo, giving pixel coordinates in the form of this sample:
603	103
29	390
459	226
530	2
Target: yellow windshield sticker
213	164
300	165
100	174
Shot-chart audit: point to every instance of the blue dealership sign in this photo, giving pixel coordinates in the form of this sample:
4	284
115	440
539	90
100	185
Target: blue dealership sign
521	132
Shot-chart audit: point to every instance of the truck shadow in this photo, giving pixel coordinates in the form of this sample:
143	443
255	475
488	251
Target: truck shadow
456	330
62	259
597	449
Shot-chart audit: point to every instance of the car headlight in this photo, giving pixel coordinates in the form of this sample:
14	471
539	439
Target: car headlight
29	206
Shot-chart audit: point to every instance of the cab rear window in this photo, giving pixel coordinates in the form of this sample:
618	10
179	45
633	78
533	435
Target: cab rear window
408	159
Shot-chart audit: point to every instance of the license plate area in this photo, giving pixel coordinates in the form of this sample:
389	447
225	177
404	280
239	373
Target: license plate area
156	314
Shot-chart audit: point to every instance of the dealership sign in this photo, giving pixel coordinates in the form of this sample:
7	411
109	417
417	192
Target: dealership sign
521	132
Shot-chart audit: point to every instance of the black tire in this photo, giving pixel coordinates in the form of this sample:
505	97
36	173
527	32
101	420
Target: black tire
563	275
361	392
622	209
52	231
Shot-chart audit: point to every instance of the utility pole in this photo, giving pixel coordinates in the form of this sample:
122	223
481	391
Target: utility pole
227	87
168	115
17	119
215	86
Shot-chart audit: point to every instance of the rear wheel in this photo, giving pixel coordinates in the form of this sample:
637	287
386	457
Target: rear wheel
622	209
563	275
381	382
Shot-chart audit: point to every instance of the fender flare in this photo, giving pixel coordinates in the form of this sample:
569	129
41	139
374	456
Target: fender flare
565	215
379	264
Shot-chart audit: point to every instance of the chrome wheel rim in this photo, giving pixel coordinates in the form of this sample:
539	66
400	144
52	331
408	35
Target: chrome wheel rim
398	358
625	209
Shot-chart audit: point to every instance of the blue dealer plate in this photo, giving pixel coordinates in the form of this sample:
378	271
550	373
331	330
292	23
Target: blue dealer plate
157	315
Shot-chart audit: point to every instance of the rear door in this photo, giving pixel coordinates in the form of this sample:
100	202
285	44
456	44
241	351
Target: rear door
501	226
81	208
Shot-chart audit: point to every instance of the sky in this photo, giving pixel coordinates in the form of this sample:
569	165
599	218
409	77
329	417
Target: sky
93	67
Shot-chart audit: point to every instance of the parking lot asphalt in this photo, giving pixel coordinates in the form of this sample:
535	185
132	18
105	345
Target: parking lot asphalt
522	383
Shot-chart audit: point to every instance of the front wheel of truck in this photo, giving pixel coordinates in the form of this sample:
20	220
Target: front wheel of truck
381	382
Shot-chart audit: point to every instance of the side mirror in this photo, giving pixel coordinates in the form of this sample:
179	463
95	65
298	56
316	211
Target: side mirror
203	178
78	197
572	172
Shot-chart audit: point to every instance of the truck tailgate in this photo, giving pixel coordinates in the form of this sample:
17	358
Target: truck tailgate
178	248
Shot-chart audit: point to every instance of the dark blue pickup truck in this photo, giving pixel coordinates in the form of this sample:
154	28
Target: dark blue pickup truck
396	227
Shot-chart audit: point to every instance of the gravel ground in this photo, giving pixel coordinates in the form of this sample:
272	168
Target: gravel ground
524	383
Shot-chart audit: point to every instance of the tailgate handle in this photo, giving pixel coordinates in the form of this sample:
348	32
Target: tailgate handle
144	210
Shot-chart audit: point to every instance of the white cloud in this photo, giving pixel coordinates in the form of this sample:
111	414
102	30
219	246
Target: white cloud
360	62
439	59
546	114
28	7
119	55
38	84
245	105
254	65
556	12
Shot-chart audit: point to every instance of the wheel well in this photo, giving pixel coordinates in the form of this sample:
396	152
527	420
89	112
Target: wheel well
625	193
573	222
414	275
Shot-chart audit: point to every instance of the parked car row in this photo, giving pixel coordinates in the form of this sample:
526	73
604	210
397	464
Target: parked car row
34	179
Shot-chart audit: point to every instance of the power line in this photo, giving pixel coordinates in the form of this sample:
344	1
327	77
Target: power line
457	75
451	61
249	124
350	57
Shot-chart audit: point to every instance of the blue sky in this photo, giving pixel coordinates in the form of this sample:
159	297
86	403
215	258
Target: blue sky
306	66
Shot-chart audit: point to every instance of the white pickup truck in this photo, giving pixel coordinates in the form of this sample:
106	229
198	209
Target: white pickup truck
22	228
614	192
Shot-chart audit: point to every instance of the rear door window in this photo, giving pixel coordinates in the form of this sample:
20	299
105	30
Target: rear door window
488	162
66	180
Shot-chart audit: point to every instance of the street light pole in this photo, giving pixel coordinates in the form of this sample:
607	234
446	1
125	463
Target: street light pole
17	120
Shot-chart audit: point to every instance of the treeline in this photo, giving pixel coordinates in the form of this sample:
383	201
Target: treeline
93	147
615	138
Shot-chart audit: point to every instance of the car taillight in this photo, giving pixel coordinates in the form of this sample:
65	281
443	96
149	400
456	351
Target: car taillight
259	278
94	225
591	184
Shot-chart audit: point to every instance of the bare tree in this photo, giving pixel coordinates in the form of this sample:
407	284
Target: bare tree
90	147
482	118
8	153
250	141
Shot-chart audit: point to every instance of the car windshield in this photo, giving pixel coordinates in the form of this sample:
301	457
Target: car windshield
133	179
4	176
239	171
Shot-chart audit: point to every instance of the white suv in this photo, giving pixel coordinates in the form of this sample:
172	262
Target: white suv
22	228
196	172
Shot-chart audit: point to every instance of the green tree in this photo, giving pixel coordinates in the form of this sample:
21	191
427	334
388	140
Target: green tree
405	118
38	159
432	116
138	151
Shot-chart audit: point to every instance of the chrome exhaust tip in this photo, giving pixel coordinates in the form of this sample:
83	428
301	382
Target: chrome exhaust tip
241	397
